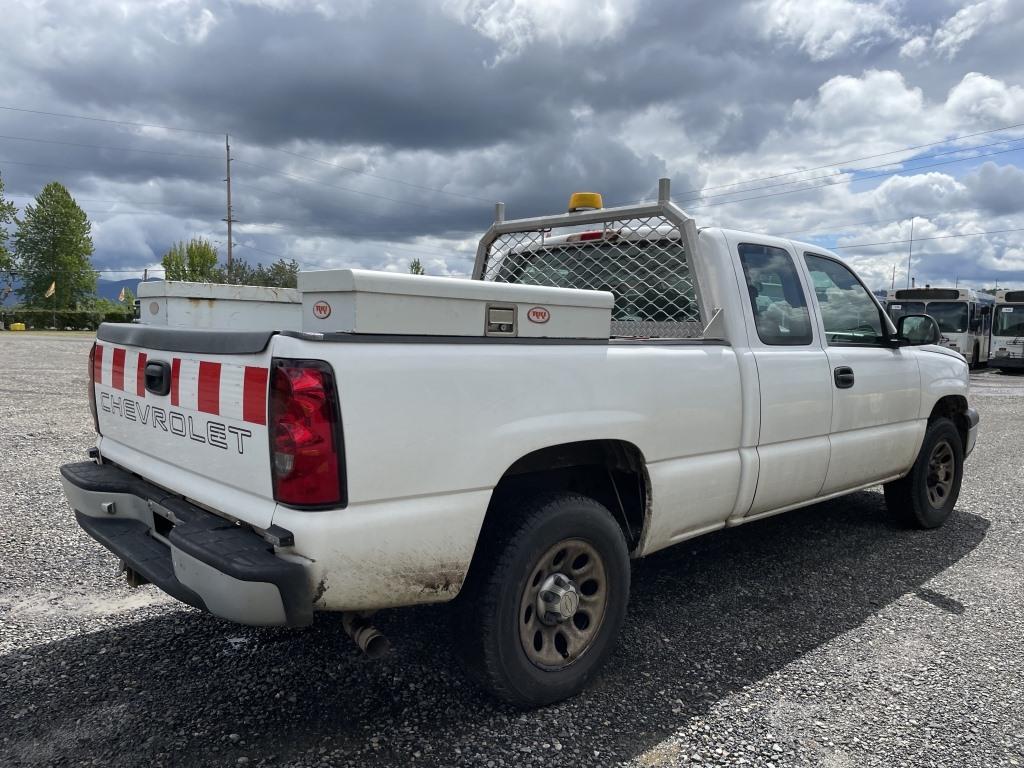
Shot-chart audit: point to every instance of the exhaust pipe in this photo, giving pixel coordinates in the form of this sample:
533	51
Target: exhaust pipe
365	635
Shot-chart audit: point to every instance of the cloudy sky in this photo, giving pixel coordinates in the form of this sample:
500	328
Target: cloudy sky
371	133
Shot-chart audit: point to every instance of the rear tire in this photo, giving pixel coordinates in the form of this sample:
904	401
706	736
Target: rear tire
926	496
547	601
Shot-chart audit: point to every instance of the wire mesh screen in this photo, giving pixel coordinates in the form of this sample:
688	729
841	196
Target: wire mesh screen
641	261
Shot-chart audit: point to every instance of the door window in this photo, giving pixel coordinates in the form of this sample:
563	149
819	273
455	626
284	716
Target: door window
776	297
849	313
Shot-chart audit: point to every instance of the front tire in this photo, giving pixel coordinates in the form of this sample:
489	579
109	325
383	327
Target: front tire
926	496
548	601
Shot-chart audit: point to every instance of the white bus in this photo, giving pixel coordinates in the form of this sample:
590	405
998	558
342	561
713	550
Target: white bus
963	314
1008	332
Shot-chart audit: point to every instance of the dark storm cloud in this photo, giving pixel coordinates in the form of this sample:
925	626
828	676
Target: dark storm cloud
416	92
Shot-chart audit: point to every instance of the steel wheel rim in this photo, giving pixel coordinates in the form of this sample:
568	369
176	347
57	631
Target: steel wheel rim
554	646
941	471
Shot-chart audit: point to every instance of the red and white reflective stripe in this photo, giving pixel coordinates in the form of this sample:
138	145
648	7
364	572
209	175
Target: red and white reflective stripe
140	374
254	399
208	397
97	365
117	368
233	391
176	381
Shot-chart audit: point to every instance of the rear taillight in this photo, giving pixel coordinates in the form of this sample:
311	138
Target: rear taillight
95	363
305	435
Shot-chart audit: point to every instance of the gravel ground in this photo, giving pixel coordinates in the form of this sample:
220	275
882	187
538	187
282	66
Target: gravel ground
821	637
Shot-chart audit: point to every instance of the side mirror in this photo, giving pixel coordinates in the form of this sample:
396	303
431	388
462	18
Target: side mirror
917	330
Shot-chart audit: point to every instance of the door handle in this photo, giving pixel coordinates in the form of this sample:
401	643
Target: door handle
844	377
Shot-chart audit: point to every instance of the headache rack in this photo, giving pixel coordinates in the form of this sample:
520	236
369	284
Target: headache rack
641	253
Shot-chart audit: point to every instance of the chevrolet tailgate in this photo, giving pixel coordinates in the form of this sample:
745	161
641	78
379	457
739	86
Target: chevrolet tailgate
187	410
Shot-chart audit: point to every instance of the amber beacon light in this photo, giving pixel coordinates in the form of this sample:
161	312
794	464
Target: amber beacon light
585	201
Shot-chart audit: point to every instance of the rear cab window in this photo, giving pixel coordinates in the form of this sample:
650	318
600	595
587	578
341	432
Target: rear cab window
777	299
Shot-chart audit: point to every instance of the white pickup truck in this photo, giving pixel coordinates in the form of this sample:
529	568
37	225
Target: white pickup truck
611	382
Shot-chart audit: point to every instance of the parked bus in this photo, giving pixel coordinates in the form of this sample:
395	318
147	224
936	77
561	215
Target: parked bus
963	314
1007	351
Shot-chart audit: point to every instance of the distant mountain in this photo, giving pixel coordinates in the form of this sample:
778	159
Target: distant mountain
105	289
111	289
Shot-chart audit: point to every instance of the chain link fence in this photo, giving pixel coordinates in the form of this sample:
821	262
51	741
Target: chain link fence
642	262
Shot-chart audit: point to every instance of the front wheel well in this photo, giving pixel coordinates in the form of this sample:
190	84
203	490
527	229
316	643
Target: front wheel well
612	472
954	408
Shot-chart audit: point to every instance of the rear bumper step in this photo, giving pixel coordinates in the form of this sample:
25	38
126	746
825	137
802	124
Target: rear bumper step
191	554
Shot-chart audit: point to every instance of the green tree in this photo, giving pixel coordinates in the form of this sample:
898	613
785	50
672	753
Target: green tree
283	273
129	298
194	261
416	268
8	216
52	246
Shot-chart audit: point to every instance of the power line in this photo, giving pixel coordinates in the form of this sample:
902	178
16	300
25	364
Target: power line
934	237
114	212
116	149
838	182
848	162
113	202
304	179
848	181
101	271
109	120
473	197
881	165
872	157
298	155
43	165
831	229
834	228
186	216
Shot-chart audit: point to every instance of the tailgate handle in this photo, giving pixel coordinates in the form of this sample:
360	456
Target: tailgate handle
158	377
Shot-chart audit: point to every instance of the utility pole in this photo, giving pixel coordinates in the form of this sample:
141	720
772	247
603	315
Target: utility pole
892	285
230	219
910	255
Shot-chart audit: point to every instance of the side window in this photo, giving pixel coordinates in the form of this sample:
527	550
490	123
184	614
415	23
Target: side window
780	308
848	312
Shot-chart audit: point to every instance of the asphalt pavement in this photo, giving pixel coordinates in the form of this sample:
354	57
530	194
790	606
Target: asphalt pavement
823	637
